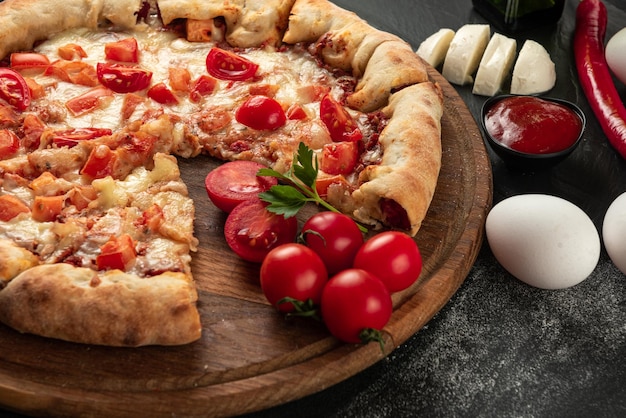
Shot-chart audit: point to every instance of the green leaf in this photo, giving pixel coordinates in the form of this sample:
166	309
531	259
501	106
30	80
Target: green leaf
268	172
283	200
305	169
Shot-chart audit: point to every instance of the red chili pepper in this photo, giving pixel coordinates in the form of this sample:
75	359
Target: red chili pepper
594	74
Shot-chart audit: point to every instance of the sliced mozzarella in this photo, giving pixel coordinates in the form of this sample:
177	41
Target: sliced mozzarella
534	71
495	65
464	54
434	48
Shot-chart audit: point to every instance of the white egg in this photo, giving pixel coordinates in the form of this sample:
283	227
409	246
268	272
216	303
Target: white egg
615	56
614	232
544	241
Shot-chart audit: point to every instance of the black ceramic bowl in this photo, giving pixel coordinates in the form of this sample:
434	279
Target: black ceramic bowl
524	161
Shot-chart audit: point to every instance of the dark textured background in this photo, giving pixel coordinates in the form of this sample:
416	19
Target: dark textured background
500	348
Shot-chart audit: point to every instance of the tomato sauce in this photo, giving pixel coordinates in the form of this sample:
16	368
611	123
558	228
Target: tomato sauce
533	125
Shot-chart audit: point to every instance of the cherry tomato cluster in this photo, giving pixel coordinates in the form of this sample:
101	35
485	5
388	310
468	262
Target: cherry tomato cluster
331	272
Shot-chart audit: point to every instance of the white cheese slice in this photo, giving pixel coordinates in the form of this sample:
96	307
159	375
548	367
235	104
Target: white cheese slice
464	54
495	65
434	48
534	70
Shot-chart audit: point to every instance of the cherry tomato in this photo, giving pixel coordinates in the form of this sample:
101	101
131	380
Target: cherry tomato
356	306
339	157
13	89
335	237
88	101
72	136
123	78
393	257
125	50
293	271
236	181
261	113
252	231
9	143
161	94
117	253
227	65
340	124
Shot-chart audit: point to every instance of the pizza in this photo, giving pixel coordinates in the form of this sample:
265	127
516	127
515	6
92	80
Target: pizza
99	100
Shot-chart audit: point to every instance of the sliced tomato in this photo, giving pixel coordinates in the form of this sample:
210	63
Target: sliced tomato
47	208
10	207
339	157
268	90
123	78
227	65
296	112
161	94
203	86
129	104
261	113
235	182
71	52
13	89
29	61
136	148
252	231
100	163
71	137
340	124
76	72
9	143
117	253
124	50
88	101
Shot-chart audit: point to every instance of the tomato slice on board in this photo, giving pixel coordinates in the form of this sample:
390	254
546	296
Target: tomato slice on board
100	163
117	253
29	60
252	231
10	207
124	50
13	89
235	182
161	94
71	137
227	65
340	124
261	113
123	78
88	101
47	208
9	143
339	157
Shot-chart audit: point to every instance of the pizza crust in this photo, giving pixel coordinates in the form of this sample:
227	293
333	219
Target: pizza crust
109	308
25	22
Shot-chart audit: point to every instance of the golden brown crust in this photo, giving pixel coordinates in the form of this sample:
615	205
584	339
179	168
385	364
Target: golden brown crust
411	157
108	308
24	22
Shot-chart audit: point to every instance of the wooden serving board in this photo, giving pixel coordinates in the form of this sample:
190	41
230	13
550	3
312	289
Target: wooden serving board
249	357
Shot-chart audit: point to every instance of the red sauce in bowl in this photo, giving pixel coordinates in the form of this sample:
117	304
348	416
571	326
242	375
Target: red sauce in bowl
533	125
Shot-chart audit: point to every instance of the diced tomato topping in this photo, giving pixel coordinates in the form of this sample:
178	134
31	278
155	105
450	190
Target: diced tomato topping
339	157
10	207
129	104
203	86
123	78
33	128
76	72
100	163
152	218
21	61
71	52
9	143
81	196
268	90
13	89
324	182
117	253
161	94
296	112
179	79
8	116
340	124
137	147
88	101
71	137
261	113
227	65
124	50
47	208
